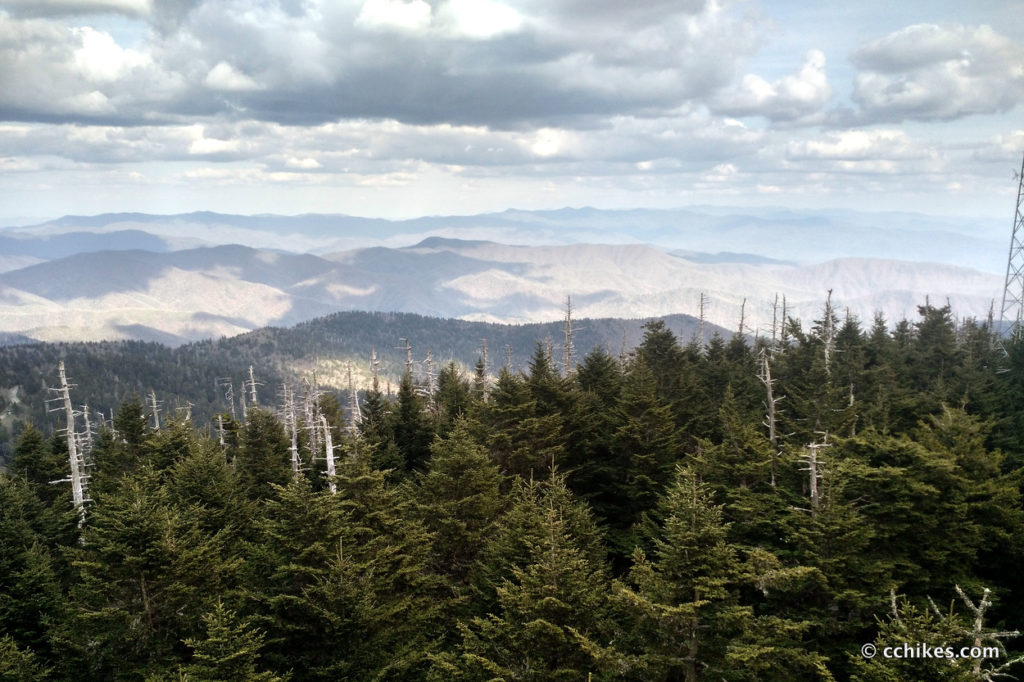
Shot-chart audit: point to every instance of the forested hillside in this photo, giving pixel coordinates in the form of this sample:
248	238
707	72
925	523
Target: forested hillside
106	373
687	511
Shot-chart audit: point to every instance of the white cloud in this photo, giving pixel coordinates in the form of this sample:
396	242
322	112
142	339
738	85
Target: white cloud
480	19
307	163
394	14
206	145
225	77
56	7
790	98
101	59
928	72
876	145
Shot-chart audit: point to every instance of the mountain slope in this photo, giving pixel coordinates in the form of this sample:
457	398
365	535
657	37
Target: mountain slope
781	234
210	292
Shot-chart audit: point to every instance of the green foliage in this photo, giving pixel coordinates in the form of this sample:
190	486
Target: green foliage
229	651
628	521
18	664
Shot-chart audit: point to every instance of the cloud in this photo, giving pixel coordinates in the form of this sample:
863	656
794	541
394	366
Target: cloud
394	14
797	97
50	72
43	8
932	72
857	145
498	63
225	77
479	19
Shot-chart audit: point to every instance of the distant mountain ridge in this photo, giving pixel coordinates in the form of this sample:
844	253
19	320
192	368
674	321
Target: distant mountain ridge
179	296
801	236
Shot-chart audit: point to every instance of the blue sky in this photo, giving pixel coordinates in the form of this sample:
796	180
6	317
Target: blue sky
400	108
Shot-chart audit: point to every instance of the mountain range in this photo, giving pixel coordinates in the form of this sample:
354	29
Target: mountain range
179	278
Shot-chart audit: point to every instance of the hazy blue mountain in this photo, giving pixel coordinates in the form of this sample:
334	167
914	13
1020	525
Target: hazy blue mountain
61	245
192	294
802	236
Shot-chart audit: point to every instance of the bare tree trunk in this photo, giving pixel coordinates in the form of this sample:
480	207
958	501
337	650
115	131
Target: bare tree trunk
78	478
568	337
155	407
770	419
329	452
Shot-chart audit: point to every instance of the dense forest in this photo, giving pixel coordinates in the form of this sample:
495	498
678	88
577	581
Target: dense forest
733	510
107	373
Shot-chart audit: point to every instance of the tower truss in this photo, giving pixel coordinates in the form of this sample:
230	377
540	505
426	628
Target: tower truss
1013	291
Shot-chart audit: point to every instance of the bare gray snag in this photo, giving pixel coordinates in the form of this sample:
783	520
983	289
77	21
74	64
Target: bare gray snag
329	452
154	407
78	478
770	402
354	413
569	350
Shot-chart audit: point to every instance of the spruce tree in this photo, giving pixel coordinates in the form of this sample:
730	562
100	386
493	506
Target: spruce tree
460	500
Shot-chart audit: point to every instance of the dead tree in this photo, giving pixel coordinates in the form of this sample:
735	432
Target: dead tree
814	470
743	316
252	384
408	356
354	413
775	321
980	636
329	454
569	350
480	380
86	449
229	392
784	329
78	477
154	406
770	411
220	430
291	423
374	369
431	384
700	324
311	412
828	333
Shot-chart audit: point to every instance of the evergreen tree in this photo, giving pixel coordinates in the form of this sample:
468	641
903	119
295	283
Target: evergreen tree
460	499
147	572
263	460
551	621
30	594
687	602
453	398
412	428
520	439
39	461
229	652
647	449
19	664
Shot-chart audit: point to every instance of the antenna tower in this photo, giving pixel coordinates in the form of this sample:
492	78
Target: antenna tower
1013	291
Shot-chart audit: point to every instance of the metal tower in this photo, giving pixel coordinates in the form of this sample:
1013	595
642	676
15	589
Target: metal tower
1013	292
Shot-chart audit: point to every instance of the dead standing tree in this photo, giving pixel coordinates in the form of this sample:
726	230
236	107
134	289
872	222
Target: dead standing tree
814	470
354	413
771	415
154	407
291	424
569	348
78	478
329	454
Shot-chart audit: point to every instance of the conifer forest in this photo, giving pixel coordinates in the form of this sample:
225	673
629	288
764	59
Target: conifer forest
727	508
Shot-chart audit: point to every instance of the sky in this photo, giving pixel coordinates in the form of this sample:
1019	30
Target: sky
403	108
